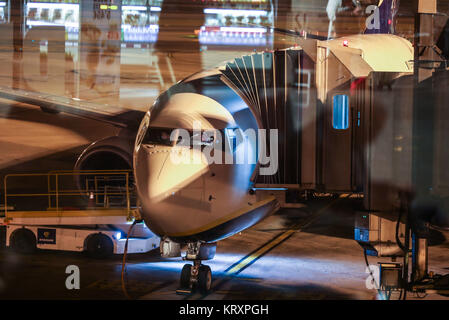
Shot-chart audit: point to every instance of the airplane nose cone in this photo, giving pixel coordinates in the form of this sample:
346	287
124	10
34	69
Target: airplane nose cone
165	170
165	186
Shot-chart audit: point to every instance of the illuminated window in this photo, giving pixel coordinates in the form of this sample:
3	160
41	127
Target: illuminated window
340	116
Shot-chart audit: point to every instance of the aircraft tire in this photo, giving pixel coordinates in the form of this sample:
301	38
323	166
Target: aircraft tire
204	279
185	276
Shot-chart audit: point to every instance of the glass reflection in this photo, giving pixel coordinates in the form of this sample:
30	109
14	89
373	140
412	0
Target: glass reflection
390	141
126	52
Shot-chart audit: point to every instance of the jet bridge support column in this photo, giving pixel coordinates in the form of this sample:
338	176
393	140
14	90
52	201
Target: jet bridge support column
425	62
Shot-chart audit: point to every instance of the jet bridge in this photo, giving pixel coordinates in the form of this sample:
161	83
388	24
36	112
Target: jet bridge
323	100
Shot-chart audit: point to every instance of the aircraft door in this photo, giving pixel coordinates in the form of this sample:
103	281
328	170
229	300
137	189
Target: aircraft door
337	141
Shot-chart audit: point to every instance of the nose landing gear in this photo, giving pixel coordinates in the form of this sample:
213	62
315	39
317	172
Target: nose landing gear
197	276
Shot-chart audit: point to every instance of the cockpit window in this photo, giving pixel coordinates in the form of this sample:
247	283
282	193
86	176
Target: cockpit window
158	136
228	138
195	138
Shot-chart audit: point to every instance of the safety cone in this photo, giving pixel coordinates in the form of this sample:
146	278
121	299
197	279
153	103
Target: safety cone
91	203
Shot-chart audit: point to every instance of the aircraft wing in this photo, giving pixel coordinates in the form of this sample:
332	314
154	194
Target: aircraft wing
120	117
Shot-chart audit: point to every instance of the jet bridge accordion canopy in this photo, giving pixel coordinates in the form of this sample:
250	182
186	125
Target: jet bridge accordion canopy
270	83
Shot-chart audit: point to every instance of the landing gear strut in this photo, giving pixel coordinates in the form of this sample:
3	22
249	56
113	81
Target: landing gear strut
197	276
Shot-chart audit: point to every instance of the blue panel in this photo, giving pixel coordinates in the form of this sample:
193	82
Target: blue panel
340	116
372	253
361	235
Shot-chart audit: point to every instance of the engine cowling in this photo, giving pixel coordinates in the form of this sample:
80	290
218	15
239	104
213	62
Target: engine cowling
112	153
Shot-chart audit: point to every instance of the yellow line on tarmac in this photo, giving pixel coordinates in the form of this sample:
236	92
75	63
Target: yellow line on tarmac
260	252
246	261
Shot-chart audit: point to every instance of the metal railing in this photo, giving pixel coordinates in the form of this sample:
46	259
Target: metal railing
83	186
